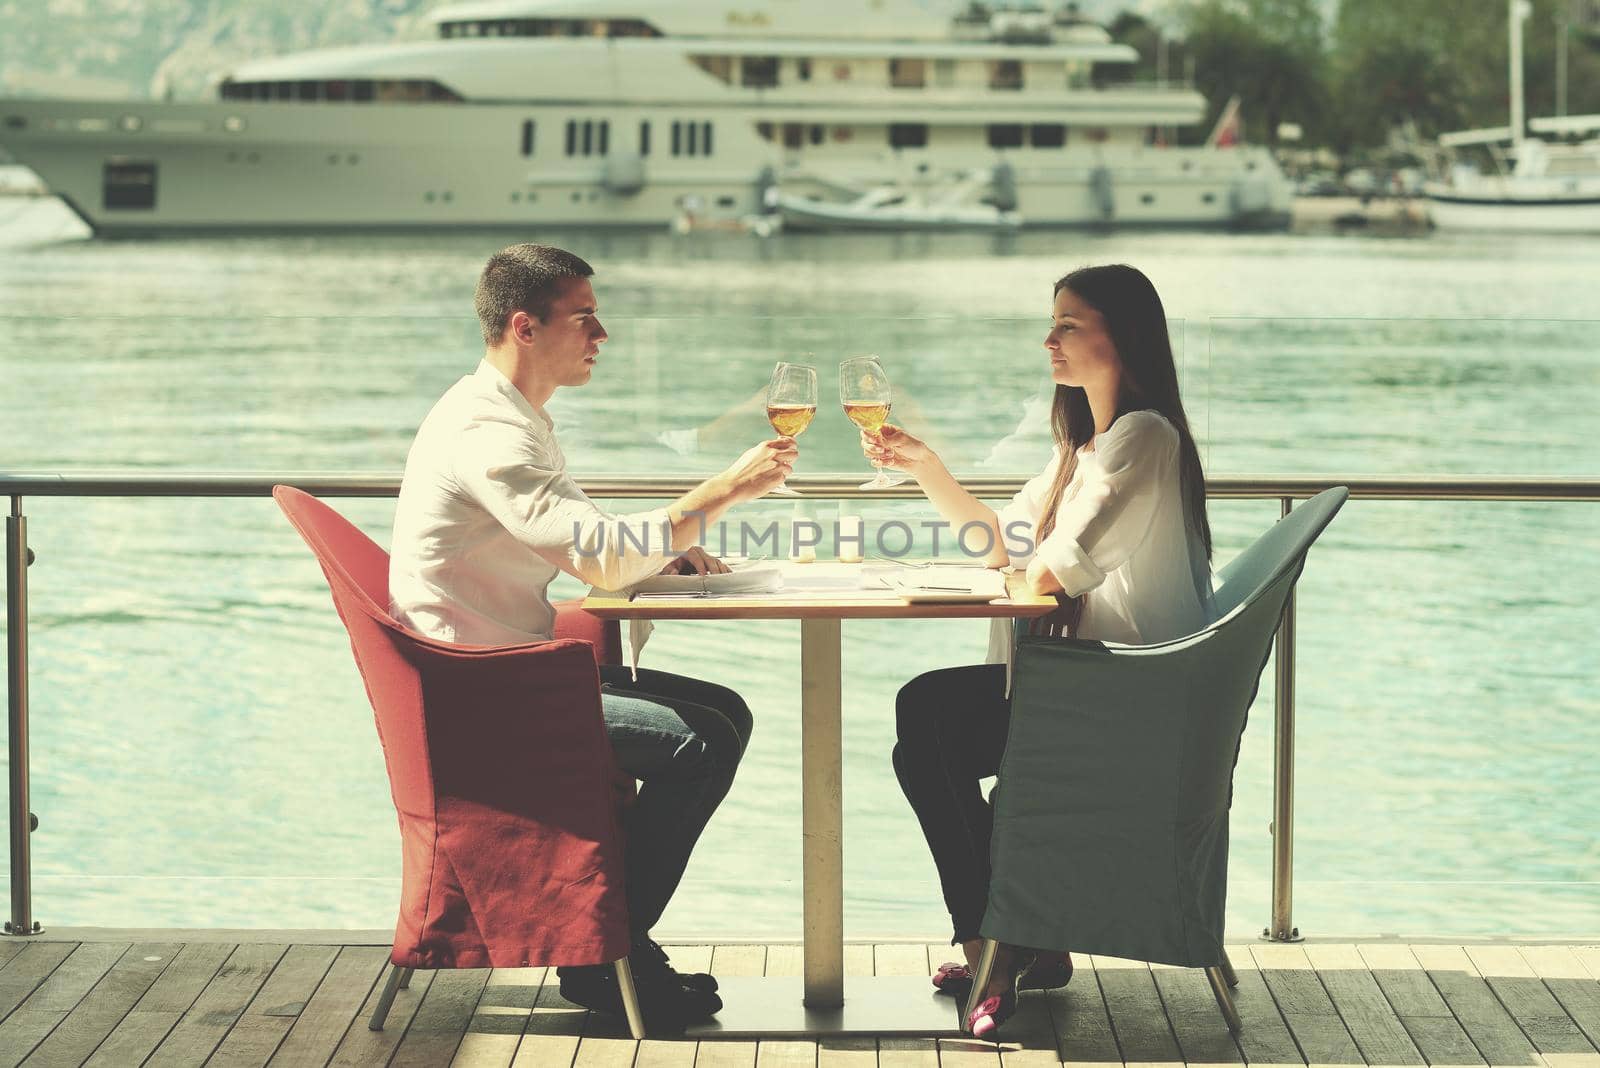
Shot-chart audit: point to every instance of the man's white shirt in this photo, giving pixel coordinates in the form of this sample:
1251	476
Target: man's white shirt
488	515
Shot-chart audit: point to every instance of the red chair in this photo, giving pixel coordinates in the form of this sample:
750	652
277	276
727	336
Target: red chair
506	787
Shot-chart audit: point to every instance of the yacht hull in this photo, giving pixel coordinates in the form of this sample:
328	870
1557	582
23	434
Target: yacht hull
132	168
1547	217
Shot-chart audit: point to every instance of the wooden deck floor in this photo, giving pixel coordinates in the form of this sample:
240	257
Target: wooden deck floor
187	998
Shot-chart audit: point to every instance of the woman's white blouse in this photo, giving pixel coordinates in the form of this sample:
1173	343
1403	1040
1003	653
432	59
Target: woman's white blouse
1121	538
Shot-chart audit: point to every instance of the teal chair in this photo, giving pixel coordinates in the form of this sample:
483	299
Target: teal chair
1111	810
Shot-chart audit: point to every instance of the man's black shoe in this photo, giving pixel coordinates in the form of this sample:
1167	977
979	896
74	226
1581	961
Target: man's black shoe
651	954
667	1006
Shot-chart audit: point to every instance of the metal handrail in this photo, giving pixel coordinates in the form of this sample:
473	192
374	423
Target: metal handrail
1285	490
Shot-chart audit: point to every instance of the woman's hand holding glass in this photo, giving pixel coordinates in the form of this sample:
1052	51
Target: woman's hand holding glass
893	446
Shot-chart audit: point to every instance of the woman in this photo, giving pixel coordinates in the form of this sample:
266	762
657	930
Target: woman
1115	527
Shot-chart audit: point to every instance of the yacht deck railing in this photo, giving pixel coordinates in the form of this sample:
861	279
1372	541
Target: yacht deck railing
121	484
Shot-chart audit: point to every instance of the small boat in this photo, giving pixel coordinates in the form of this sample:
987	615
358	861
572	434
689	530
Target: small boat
965	203
1548	183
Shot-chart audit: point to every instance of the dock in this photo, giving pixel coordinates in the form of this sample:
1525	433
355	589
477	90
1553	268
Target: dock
301	999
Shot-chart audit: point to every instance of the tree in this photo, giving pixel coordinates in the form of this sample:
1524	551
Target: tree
1267	52
1443	64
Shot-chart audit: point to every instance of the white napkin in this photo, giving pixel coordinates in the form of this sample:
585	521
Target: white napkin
639	631
1002	646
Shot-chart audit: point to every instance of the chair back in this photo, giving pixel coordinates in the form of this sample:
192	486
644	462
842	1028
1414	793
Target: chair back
357	570
1111	819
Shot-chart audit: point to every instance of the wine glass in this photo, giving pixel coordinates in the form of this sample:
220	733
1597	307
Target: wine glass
791	405
864	392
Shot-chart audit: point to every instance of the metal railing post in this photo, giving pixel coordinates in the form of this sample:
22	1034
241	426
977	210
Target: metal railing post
17	559
1282	928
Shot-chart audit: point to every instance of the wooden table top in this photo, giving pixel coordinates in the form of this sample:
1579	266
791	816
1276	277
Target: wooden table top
1019	603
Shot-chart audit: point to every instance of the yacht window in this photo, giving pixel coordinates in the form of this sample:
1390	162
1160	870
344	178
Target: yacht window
908	135
793	135
361	91
308	90
527	137
817	135
128	184
1047	135
644	138
338	90
908	73
764	130
605	137
802	67
694	137
1005	74
719	67
1005	135
705	140
944	73
572	137
758	72
677	139
588	138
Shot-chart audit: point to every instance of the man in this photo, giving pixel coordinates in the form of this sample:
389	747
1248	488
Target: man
486	518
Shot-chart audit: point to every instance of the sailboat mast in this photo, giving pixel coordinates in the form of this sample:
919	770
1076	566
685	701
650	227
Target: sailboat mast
1519	10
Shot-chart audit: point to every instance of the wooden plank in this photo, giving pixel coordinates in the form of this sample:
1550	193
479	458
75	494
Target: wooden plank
678	1053
554	1027
252	1041
786	1054
204	1025
182	981
1084	1036
1305	1005
133	1039
731	960
23	1030
332	1008
606	1043
902	1052
1264	1035
88	1024
44	1009
499	1018
364	1048
1410	992
1529	1001
437	1027
1571	984
294	980
1371	1020
1136	1012
1403	981
903	958
9	948
26	971
1496	1035
1197	1022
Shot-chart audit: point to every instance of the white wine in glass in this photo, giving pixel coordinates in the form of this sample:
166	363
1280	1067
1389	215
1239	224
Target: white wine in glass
864	392
791	405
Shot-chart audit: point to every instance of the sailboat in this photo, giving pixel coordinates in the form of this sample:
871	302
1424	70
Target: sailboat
1549	183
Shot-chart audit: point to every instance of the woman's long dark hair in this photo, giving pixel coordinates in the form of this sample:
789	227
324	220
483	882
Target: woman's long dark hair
1137	326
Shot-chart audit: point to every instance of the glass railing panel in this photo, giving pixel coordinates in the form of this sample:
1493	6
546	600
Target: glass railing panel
1397	396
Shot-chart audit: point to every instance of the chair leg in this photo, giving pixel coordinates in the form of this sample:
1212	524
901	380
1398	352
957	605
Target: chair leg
1219	988
1227	970
980	979
405	978
630	998
390	988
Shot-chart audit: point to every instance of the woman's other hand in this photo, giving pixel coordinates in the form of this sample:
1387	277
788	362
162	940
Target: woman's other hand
893	446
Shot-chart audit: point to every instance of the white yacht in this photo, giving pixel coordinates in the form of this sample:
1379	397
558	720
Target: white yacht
589	112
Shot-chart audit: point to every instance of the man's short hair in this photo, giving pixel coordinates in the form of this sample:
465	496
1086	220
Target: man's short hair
522	278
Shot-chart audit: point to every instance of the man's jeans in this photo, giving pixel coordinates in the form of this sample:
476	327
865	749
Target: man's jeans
682	738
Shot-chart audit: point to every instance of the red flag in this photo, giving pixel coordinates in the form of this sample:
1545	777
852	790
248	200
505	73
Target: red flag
1228	131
